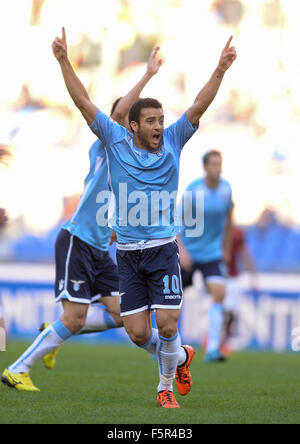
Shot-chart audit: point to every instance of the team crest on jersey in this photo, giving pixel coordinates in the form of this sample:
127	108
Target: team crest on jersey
76	285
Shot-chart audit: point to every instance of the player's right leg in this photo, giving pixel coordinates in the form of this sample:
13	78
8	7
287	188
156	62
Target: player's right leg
104	312
17	374
72	288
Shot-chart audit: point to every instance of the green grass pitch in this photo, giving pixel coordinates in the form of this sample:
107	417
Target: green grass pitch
101	384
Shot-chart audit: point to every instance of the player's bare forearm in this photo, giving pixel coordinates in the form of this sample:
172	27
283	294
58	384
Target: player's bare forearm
77	91
205	97
122	109
121	112
209	91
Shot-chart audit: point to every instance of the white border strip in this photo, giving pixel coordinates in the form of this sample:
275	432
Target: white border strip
167	307
65	295
138	310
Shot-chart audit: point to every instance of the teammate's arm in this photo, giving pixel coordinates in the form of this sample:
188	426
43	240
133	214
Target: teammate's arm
209	91
121	112
76	89
227	243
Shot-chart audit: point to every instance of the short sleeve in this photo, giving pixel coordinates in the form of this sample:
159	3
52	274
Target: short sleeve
180	132
106	130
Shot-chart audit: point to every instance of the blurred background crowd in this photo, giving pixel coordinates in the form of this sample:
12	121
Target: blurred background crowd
254	121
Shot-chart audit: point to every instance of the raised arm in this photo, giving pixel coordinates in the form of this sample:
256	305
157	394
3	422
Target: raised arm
76	89
209	91
120	114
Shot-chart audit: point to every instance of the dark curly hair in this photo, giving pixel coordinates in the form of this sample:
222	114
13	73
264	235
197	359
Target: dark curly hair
135	110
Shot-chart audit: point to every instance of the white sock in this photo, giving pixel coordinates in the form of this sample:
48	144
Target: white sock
150	346
51	338
182	356
98	319
169	351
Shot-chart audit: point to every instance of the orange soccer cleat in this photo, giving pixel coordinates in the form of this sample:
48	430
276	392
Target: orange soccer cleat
166	399
183	374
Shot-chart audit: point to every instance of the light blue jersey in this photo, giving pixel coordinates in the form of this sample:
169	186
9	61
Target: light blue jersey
84	223
217	203
144	184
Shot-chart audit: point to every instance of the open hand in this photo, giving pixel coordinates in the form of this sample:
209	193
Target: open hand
59	46
228	56
153	63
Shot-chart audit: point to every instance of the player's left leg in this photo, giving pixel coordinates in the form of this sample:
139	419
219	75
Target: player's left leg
173	358
165	290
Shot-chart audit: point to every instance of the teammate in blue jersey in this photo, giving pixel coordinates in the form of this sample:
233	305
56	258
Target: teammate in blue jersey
143	168
85	272
210	251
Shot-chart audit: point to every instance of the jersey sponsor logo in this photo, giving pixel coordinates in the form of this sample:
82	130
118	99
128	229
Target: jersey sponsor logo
76	285
173	296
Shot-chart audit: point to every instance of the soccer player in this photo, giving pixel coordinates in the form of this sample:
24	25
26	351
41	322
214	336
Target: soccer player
85	273
142	164
210	251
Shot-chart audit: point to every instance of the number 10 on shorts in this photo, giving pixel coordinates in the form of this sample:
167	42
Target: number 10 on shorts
174	283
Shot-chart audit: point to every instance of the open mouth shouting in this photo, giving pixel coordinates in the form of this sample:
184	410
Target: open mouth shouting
156	140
